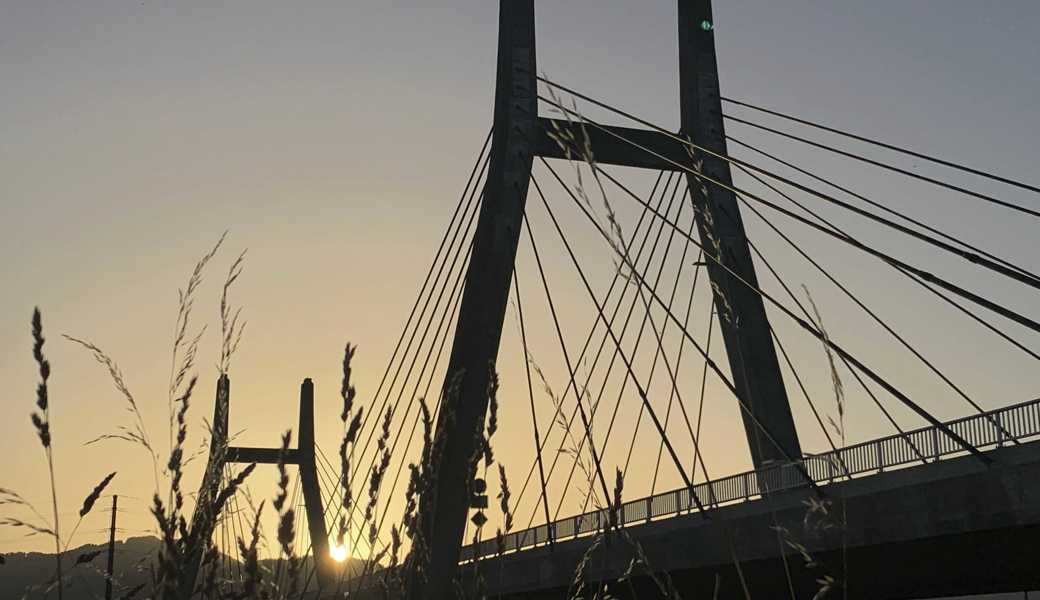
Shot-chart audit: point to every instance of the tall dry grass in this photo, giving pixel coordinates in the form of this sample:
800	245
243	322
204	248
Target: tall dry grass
396	570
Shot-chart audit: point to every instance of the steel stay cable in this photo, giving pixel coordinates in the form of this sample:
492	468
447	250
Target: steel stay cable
566	357
647	318
855	373
225	554
639	337
858	302
910	275
880	206
812	405
333	489
332	485
867	310
389	391
817	334
704	373
235	521
239	527
887	167
691	144
715	366
616	311
885	145
290	500
798	303
433	264
588	340
642	283
325	477
617	342
331	482
916	279
1012	272
456	295
456	286
927	276
635	348
671	397
530	395
682	346
1003	311
458	251
326	481
678	363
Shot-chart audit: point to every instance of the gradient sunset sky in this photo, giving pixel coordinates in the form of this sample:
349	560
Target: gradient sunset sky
332	139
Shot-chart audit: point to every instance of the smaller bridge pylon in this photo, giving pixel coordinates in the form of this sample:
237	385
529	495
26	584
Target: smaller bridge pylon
222	454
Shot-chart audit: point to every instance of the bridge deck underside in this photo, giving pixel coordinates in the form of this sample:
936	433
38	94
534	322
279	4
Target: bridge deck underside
953	527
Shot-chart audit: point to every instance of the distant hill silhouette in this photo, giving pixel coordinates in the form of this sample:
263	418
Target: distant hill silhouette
24	574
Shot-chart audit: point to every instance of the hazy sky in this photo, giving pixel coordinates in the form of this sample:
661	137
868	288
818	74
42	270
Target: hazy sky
333	138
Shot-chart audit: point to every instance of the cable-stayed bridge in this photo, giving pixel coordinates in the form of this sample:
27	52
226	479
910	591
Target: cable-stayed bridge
940	505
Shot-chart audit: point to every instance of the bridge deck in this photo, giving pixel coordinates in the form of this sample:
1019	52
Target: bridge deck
951	527
1007	425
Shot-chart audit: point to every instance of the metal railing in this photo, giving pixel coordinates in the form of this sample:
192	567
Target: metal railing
929	444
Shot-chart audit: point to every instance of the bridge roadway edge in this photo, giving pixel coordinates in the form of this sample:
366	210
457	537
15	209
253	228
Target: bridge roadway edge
951	527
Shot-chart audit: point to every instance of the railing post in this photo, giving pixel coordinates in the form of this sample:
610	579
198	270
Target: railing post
747	486
880	457
649	508
998	423
935	443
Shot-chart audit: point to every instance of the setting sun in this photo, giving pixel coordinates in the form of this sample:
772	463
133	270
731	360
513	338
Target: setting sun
338	553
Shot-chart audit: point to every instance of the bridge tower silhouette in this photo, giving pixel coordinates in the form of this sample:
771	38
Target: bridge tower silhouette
222	454
519	135
982	468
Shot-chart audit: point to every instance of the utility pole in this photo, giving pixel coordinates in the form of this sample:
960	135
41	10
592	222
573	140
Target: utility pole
110	568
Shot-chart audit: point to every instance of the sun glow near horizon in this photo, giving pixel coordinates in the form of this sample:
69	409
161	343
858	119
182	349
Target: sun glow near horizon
339	553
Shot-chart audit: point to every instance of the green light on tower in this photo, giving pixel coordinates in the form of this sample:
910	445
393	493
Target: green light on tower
706	25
